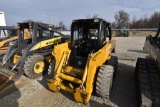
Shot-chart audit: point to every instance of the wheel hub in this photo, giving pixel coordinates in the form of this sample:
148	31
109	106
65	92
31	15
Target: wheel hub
39	67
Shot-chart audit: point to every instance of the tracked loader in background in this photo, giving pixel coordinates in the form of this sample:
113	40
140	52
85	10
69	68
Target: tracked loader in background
147	73
30	56
84	64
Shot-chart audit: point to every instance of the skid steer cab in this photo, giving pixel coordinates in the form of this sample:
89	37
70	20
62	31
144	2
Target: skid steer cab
7	32
84	64
7	35
29	55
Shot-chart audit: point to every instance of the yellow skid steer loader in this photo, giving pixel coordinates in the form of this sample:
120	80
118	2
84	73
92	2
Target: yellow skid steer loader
85	61
29	56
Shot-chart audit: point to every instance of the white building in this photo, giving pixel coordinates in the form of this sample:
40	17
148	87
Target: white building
2	19
2	23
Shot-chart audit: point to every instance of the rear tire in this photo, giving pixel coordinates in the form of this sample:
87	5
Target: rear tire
113	62
104	81
50	72
34	66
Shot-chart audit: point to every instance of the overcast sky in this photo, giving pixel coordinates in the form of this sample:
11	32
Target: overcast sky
49	11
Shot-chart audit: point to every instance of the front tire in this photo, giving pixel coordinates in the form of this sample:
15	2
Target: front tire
104	81
34	66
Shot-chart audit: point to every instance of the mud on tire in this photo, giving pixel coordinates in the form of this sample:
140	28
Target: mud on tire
104	81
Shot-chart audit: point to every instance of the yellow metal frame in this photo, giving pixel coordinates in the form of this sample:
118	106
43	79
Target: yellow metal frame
83	92
16	58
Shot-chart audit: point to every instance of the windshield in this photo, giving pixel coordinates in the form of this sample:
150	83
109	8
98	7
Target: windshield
93	33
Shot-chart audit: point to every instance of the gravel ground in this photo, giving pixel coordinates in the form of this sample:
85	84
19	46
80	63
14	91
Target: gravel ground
35	93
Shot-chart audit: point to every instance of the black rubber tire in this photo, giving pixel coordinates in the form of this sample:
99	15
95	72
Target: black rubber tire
29	66
114	62
114	50
147	83
104	80
50	72
142	83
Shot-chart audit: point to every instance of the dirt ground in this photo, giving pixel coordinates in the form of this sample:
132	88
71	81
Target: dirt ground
35	93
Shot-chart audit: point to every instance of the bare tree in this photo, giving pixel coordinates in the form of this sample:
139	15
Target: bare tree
121	18
113	25
154	19
29	20
61	24
147	22
88	16
133	22
95	15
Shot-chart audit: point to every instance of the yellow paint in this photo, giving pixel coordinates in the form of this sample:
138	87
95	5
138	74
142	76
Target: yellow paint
46	43
16	58
63	72
48	58
73	70
70	78
39	67
81	96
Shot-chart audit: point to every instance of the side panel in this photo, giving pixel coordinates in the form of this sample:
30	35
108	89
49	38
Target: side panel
46	43
98	59
153	51
58	52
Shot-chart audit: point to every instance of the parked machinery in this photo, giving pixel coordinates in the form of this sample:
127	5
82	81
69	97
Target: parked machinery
122	32
84	64
7	35
7	32
30	56
147	73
